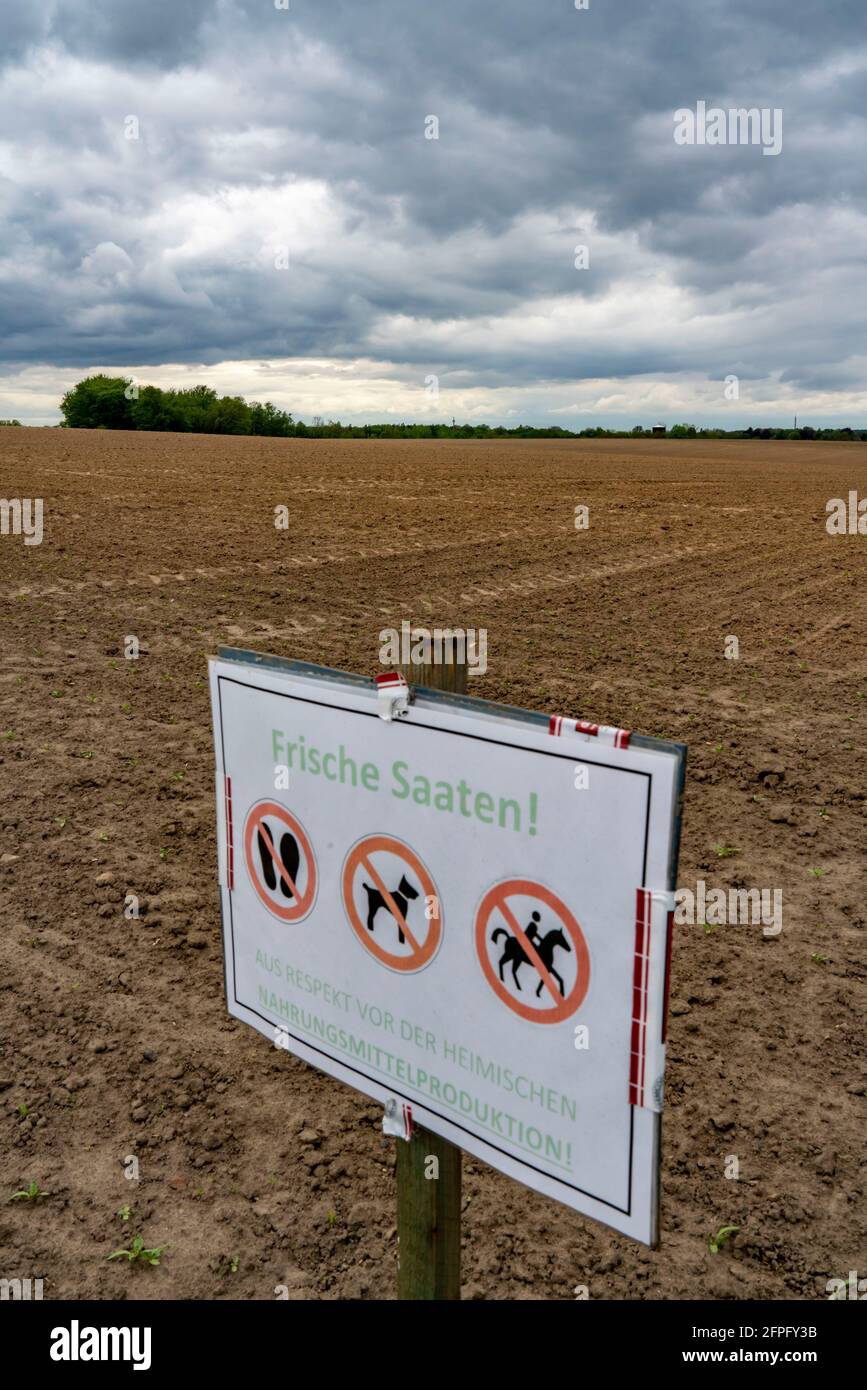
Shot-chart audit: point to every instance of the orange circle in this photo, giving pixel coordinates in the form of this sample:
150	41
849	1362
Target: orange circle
254	818
575	998
355	858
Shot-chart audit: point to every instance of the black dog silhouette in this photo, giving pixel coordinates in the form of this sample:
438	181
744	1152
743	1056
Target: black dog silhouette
545	947
401	898
290	857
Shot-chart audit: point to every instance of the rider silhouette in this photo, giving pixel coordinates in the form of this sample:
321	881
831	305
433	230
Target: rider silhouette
531	930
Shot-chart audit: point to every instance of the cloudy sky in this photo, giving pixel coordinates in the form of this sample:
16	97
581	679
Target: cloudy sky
232	192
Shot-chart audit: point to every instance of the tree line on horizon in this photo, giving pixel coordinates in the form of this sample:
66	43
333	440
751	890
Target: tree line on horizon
118	403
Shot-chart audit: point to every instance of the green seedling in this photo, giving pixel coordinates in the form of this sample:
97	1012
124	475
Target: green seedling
139	1253
818	959
332	1219
716	1242
824	812
23	1111
725	851
164	853
102	836
709	927
61	821
818	873
125	1213
126	707
29	1194
178	776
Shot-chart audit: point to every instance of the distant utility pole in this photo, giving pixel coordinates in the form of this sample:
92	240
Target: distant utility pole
796	422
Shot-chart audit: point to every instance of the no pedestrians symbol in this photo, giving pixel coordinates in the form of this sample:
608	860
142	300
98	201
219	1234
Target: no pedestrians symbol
280	861
529	944
392	903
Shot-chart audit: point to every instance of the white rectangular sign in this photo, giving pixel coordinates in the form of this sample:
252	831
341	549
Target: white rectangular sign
459	912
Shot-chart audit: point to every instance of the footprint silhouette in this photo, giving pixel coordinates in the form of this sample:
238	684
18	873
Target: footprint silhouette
290	856
267	861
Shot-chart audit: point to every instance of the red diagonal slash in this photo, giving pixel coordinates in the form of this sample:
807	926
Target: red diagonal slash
392	905
278	863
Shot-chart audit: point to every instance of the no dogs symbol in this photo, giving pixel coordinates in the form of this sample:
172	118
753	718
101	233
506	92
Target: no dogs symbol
392	903
280	861
532	951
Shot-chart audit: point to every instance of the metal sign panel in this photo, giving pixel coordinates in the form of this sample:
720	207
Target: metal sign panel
457	912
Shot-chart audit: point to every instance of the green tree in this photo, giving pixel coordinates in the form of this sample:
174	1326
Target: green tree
229	415
157	410
195	405
267	419
99	402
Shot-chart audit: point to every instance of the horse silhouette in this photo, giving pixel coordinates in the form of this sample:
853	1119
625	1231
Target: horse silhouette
545	947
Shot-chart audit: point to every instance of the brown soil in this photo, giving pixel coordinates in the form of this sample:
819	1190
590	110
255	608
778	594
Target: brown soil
114	1033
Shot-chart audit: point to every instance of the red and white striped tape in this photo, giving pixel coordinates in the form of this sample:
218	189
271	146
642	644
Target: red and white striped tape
558	725
230	847
389	680
654	921
397	1120
392	694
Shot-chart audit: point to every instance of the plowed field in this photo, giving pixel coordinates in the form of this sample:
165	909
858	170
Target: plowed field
254	1170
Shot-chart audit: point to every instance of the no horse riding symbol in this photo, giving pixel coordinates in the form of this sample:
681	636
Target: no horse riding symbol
532	951
280	861
392	903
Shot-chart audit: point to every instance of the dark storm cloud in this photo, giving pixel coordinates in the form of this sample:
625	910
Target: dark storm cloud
120	31
259	126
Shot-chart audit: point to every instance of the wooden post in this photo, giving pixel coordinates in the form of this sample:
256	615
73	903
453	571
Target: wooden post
429	1207
428	1218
